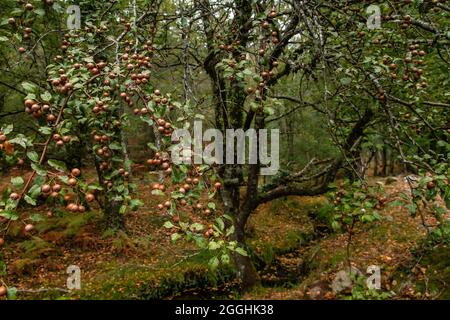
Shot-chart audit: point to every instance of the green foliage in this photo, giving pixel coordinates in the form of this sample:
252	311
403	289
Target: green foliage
434	254
361	292
354	203
325	214
430	194
69	225
438	236
35	248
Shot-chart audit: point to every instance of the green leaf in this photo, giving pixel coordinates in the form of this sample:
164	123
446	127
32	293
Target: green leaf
45	130
200	242
115	146
335	225
230	231
10	215
152	146
46	96
397	203
33	156
2	268
58	165
168	225
95	187
17	182
12	293
423	181
147	120
177	175
175	236
254	106
213	245
36	217
213	263
197	227
18	36
241	251
39	12
35	190
39	169
269	111
220	223
346	81
367	218
135	204
8	129
225	259
29	87
228	217
29	200
412	208
21	140
64	179
212	205
437	232
248	72
157	192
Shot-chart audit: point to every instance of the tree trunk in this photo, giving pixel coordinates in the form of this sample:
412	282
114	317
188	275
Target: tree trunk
113	218
392	164
290	140
230	194
375	163
245	270
384	162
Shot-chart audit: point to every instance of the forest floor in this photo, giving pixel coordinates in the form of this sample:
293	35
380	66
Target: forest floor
296	257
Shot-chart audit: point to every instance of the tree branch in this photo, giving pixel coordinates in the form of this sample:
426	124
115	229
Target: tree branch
12	88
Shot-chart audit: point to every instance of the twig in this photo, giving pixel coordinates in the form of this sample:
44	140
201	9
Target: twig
185	258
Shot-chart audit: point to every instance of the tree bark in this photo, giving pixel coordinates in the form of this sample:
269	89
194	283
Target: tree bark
113	218
384	162
290	139
392	163
375	164
245	269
